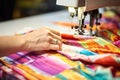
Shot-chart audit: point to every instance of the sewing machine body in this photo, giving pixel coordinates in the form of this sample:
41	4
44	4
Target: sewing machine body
80	8
71	3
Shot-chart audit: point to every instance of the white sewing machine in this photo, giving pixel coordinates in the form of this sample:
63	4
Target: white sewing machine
81	8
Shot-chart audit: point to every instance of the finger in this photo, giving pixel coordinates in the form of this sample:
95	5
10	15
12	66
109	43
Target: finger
58	43
54	47
58	39
56	36
52	40
55	31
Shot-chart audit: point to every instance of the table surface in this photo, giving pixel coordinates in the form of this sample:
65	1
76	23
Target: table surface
18	25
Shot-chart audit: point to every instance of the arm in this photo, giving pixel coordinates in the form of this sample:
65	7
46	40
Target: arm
10	44
41	39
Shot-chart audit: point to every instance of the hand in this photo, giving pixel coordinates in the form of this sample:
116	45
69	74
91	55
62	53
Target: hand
42	39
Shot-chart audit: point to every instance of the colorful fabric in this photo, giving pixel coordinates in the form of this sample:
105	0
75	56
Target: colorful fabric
82	57
111	26
117	43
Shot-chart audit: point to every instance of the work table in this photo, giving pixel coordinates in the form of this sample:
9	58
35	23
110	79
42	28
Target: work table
33	22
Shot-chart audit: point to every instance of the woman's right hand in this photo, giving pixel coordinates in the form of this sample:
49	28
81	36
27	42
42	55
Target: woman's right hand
42	39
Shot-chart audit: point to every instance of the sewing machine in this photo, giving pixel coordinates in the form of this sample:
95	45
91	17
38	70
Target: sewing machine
81	8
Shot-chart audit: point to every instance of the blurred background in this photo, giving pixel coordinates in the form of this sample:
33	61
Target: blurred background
12	9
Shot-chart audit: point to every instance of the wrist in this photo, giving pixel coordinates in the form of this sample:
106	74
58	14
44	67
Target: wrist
23	43
20	43
11	44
